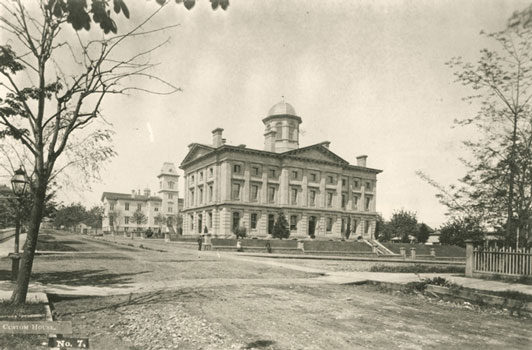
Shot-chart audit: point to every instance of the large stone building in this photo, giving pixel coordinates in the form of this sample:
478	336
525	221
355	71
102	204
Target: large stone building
321	194
120	208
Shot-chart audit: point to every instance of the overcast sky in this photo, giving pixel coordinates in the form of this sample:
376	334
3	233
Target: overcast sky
369	76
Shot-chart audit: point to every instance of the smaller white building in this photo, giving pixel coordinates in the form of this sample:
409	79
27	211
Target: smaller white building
141	211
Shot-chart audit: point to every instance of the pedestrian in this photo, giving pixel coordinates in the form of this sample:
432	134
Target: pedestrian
238	246
268	247
200	241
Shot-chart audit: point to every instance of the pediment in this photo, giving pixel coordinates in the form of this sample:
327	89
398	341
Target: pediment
196	151
316	152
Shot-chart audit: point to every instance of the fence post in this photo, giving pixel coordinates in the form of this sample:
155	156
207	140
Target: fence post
469	258
433	252
402	251
413	252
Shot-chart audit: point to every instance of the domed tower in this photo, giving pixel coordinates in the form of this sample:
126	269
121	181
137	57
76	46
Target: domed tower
282	128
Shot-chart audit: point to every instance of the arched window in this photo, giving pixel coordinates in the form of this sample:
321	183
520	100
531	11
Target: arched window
279	130
292	132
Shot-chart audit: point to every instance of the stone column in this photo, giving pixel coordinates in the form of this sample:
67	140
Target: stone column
469	258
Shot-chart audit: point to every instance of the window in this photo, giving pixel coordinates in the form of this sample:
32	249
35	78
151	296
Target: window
329	224
255	171
200	222
279	130
355	202
368	203
294	174
235	195
330	196
253	221
210	193
355	184
330	179
312	198
254	192
170	209
344	199
272	173
236	220
292	132
111	206
293	222
342	228
200	195
355	225
139	206
126	206
367	226
236	168
192	179
160	185
192	197
171	185
201	175
191	218
126	220
209	219
368	186
271	194
211	172
156	209
313	177
344	182
293	196
170	196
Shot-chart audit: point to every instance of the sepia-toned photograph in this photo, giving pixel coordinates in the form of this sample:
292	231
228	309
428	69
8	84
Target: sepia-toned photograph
265	174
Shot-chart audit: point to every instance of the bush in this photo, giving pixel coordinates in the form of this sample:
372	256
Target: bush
280	228
240	232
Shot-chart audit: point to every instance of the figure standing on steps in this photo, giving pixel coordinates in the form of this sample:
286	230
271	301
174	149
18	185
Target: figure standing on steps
200	241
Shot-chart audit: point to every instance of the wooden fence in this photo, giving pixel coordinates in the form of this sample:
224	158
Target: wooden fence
503	261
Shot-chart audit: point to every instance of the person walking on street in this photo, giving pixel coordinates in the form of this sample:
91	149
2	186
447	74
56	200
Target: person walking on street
200	241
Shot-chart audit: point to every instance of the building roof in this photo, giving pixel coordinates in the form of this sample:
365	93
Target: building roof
128	196
168	169
282	108
198	152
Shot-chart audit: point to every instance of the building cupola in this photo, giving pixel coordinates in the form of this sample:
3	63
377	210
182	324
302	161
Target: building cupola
281	128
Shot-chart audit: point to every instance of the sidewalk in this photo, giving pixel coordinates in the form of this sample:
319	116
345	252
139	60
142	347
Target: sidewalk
8	246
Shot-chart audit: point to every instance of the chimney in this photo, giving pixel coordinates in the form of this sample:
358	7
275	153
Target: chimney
133	193
217	140
326	144
147	192
361	160
269	140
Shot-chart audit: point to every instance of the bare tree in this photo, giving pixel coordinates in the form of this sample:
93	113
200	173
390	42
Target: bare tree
48	109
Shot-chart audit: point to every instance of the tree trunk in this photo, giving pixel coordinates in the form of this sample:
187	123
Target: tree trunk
23	280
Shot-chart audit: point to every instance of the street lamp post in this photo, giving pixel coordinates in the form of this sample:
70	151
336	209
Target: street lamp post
18	183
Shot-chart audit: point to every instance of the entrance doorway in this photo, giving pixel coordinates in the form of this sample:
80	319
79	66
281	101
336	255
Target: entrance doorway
312	226
271	222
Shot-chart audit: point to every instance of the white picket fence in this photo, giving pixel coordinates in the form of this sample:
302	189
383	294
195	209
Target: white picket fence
504	261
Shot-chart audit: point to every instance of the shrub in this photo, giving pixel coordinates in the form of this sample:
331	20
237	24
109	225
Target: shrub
240	232
280	228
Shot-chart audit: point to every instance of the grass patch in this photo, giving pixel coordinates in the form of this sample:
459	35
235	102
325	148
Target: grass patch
521	279
10	312
418	268
511	294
